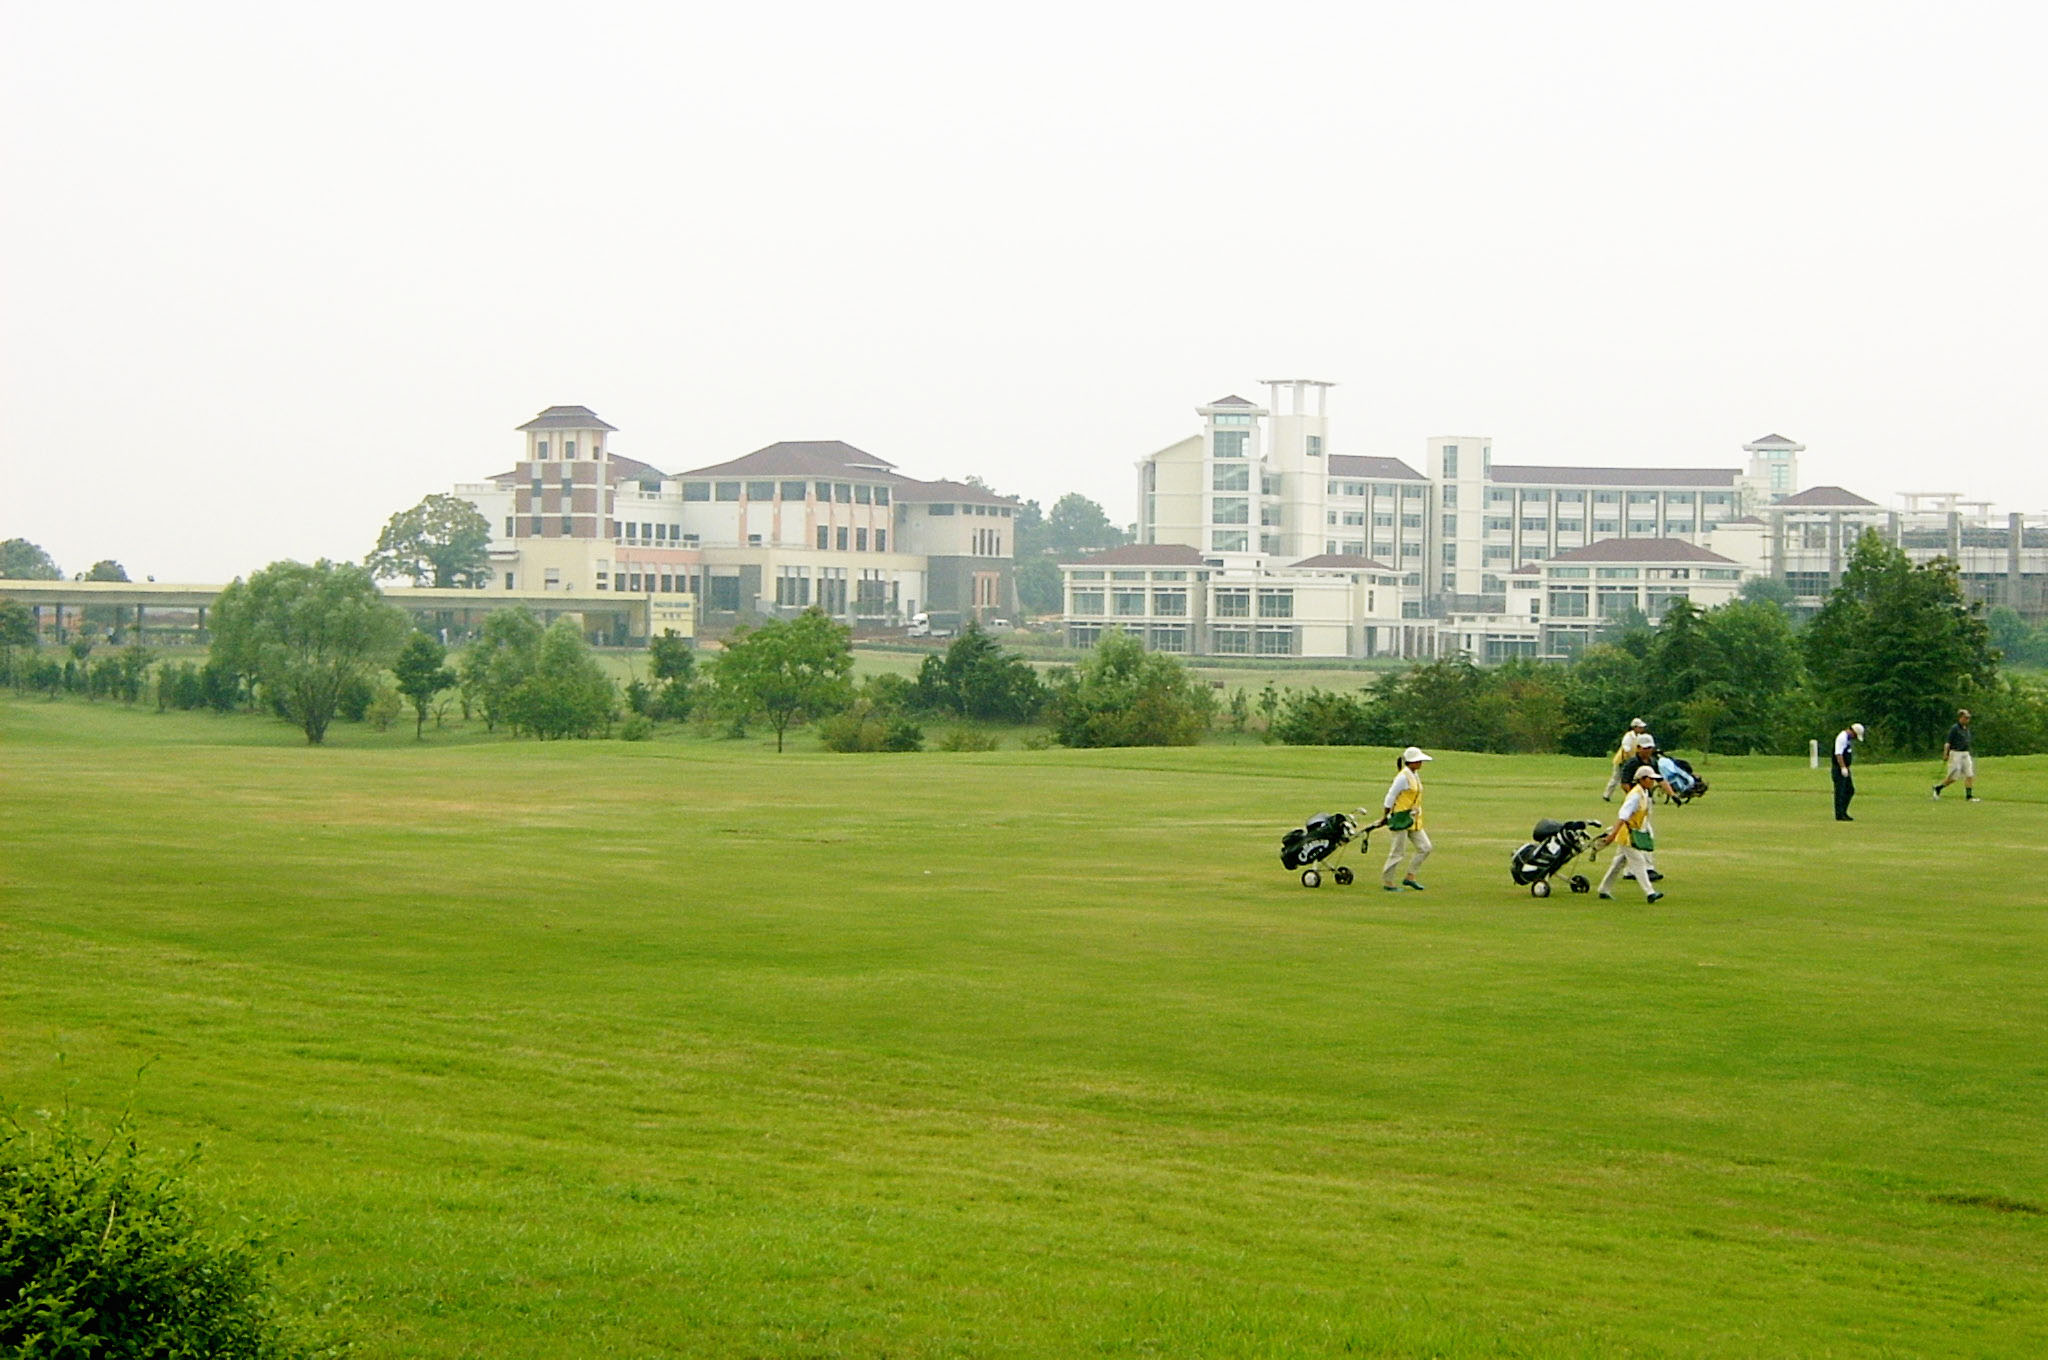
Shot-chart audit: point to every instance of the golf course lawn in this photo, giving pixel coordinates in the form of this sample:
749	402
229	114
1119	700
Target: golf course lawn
683	1048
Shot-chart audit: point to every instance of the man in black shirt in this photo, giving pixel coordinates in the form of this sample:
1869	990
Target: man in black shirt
1960	763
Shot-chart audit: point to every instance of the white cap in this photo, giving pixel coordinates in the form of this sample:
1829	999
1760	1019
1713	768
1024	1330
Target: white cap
1857	728
1637	723
1646	775
1414	754
1646	740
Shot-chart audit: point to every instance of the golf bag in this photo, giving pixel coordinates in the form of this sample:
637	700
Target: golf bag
1552	846
1680	782
1317	840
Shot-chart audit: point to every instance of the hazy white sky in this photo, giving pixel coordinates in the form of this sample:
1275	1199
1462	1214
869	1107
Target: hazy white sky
272	272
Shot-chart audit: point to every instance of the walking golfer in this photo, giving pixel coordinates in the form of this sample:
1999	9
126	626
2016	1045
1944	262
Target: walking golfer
1632	838
1629	741
1403	808
1845	756
1961	764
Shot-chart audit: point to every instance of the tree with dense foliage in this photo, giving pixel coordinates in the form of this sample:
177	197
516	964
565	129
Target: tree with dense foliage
422	672
21	560
673	659
306	635
1605	686
2019	643
567	693
786	671
1760	678
1076	525
1123	695
101	1256
977	678
1768	590
443	541
106	569
504	654
17	632
1320	717
1898	647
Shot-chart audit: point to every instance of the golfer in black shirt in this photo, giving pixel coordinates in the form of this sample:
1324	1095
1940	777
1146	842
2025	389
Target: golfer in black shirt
1960	763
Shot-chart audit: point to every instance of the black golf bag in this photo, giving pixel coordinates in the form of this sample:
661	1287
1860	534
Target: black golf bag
1317	840
1680	783
1552	846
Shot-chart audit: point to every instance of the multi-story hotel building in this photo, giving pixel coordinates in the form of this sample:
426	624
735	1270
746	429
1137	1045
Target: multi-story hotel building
782	529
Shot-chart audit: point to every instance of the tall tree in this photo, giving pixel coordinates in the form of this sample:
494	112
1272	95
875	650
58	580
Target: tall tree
443	541
21	560
1897	646
1761	678
422	672
674	663
786	671
503	655
17	629
106	569
1076	524
307	635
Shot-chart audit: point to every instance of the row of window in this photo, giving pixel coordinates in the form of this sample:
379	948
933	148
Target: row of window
847	539
842	493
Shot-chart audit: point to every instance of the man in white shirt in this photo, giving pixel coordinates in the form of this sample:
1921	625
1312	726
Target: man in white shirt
1629	741
1845	756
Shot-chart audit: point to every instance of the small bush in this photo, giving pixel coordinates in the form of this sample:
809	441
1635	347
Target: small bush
384	708
639	727
101	1257
866	728
968	739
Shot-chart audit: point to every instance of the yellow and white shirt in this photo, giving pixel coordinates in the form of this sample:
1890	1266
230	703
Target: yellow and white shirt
1405	794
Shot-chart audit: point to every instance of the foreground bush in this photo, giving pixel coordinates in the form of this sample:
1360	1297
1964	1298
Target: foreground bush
101	1258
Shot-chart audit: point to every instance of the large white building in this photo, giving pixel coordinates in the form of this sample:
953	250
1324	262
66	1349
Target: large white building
784	528
1260	493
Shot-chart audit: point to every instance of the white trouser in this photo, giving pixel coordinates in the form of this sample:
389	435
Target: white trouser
1418	839
1636	861
1613	782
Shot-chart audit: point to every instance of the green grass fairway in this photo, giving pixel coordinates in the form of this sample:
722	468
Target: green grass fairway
683	1049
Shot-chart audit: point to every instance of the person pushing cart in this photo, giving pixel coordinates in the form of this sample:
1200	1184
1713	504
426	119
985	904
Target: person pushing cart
1403	816
1631	837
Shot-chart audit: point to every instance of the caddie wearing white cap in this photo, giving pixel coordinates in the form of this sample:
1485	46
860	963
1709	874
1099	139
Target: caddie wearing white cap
1629	741
1403	809
1631	836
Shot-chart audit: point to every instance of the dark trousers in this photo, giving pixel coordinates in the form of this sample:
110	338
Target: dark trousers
1845	789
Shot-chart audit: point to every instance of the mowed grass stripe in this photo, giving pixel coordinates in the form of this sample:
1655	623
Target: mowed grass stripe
685	1049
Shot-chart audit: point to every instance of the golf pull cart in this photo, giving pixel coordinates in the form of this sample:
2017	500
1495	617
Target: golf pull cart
1552	846
1317	842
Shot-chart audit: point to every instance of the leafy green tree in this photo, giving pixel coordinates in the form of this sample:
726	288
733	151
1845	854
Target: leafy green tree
786	671
1039	584
1123	695
1320	717
1768	590
567	694
21	560
504	654
1521	707
443	541
306	635
1605	687
422	672
106	569
1897	646
1761	678
17	632
2018	642
977	678
674	663
102	1256
1077	525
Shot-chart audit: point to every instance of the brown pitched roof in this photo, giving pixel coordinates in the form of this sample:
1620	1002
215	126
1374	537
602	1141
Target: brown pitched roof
625	469
1825	496
1641	550
1373	469
1140	555
567	418
1343	561
1591	476
799	458
912	491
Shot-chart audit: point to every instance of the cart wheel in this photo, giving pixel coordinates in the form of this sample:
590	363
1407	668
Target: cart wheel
1540	888
1311	879
1343	874
1580	883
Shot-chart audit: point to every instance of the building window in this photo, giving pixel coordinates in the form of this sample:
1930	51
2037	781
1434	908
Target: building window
1450	460
1233	604
1568	604
842	492
1274	642
726	491
1450	551
568	448
841	538
860	540
1172	603
1276	604
1229	540
824	536
881	540
1230	443
1128	603
1232	419
1231	477
936	509
540	448
568	526
863	494
1088	602
881	495
1231	642
1315	446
